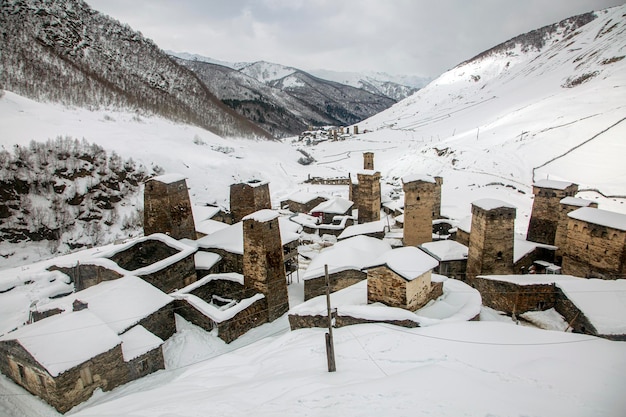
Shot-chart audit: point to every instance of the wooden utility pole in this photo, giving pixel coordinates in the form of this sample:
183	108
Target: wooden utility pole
330	349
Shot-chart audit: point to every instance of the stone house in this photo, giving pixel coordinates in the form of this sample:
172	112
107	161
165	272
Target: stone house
596	244
546	210
37	357
333	207
248	197
375	229
366	195
567	205
402	278
302	202
167	207
451	255
346	261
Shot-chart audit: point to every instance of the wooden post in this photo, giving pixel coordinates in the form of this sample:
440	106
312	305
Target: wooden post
330	349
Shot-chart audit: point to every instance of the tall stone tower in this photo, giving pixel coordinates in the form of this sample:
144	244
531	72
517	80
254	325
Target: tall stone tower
544	219
248	197
368	160
437	203
263	265
167	208
419	201
368	196
567	205
491	238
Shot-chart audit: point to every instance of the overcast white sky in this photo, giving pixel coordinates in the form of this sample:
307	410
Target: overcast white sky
420	37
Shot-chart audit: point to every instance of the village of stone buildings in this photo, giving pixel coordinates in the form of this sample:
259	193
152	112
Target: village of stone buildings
108	311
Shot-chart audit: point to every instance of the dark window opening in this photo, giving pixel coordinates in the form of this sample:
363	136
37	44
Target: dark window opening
22	372
499	256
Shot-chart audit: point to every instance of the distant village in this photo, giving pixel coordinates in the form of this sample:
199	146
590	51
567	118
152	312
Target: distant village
110	309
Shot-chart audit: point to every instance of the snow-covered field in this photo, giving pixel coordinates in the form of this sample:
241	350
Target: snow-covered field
489	130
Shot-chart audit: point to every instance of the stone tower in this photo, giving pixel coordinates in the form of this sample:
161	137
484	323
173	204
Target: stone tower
248	197
167	208
368	160
368	196
544	219
491	239
263	265
437	203
567	205
419	200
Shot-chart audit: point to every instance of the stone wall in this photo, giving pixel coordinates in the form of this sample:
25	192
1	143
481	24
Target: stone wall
221	287
297	207
368	200
594	251
306	322
512	298
173	277
263	265
546	212
419	200
230	262
145	364
167	209
161	323
491	242
338	281
462	237
387	287
85	276
560	236
452	269
246	198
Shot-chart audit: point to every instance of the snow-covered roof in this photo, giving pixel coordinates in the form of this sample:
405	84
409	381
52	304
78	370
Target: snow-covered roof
530	279
230	239
121	302
600	217
465	224
552	184
228	276
363	229
395	205
417	177
355	253
446	250
201	213
208	226
305	220
522	247
574	201
64	341
138	341
206	260
491	204
214	313
603	302
368	172
409	262
255	183
303	197
336	205
262	216
168	178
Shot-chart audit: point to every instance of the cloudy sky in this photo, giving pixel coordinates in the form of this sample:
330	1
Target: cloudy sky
419	37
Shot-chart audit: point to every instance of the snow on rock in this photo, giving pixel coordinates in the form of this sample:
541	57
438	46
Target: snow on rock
64	341
547	320
137	341
600	217
603	302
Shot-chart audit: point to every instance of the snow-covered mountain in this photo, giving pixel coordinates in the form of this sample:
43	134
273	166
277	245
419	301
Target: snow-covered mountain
63	51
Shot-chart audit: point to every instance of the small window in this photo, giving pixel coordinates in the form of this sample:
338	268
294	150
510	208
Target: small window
85	375
42	380
143	365
418	198
22	371
499	256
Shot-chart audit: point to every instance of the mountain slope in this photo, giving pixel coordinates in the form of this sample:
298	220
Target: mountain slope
66	52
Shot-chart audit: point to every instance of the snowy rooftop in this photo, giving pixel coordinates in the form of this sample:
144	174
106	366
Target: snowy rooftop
305	219
530	279
229	276
603	302
137	341
368	172
522	247
121	303
230	239
169	178
336	205
255	183
446	250
262	216
417	177
355	253
48	340
208	226
465	224
491	204
409	262
216	314
573	201
201	213
302	197
206	260
363	229
552	184
600	217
